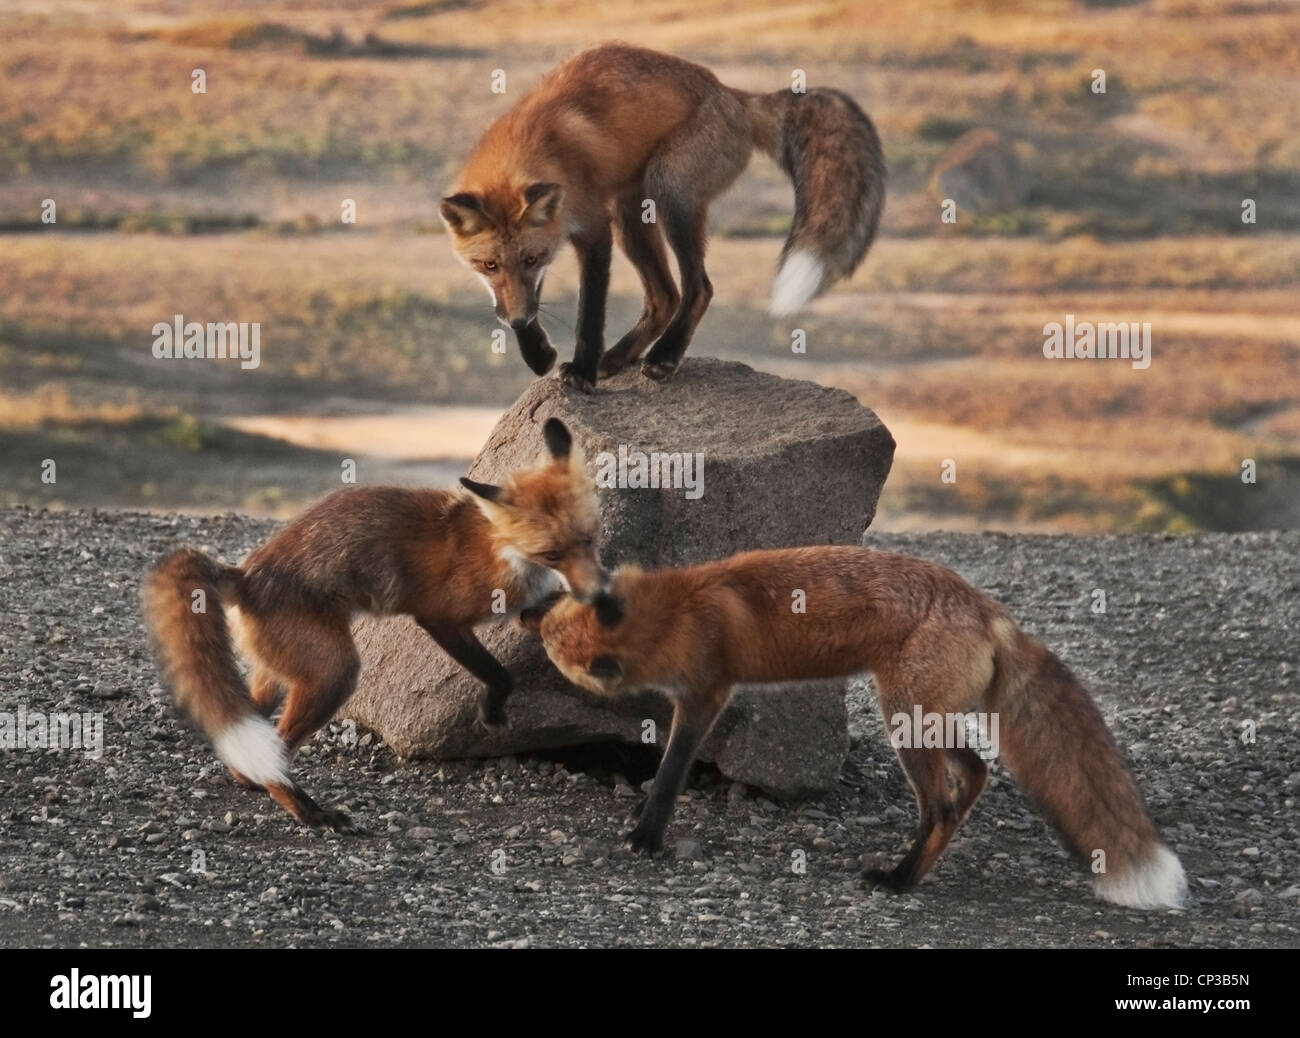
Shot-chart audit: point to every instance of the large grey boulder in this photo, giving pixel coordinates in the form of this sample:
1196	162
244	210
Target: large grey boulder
784	463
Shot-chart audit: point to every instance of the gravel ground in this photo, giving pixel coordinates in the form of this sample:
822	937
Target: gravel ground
150	844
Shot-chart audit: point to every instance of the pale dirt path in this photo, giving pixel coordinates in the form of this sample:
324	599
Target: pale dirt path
404	434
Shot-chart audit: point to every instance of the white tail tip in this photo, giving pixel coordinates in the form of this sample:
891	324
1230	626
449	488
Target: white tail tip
798	280
254	749
1158	882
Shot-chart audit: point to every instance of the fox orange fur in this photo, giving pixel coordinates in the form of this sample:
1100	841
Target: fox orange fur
929	638
616	127
440	557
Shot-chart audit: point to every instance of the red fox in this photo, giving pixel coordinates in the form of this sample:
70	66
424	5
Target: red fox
616	127
450	559
930	639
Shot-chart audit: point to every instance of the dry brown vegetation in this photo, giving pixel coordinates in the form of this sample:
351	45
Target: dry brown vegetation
226	206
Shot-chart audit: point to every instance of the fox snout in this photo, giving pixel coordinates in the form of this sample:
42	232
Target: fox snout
518	297
588	581
517	316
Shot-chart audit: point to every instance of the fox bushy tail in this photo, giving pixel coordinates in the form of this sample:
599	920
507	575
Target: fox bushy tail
193	642
1056	744
830	150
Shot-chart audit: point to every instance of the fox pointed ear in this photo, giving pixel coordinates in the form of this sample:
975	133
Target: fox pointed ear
486	491
609	609
462	213
558	439
542	202
605	667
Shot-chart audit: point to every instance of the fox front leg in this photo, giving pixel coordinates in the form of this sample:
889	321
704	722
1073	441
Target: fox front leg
535	346
464	647
594	253
691	723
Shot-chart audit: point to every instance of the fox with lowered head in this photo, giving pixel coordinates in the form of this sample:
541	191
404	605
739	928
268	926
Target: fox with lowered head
930	639
616	126
438	556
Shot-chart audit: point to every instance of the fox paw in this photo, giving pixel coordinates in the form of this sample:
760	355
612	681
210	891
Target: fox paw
570	376
541	359
882	879
646	839
339	821
493	715
611	364
660	370
327	818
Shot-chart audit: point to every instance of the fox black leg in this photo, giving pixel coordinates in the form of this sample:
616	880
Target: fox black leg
461	645
536	348
594	254
685	231
643	244
690	725
903	876
927	771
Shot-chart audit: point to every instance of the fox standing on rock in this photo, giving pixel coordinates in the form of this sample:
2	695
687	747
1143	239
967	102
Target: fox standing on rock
443	557
617	126
931	641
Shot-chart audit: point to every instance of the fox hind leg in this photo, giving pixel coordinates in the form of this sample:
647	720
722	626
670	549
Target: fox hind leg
312	704
972	773
316	659
309	708
697	164
956	680
643	244
940	812
266	690
927	771
686	234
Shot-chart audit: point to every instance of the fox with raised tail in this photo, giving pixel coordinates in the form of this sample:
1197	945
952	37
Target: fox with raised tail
449	559
931	641
615	128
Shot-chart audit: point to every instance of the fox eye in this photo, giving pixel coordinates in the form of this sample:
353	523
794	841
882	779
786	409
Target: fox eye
530	261
490	266
553	556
